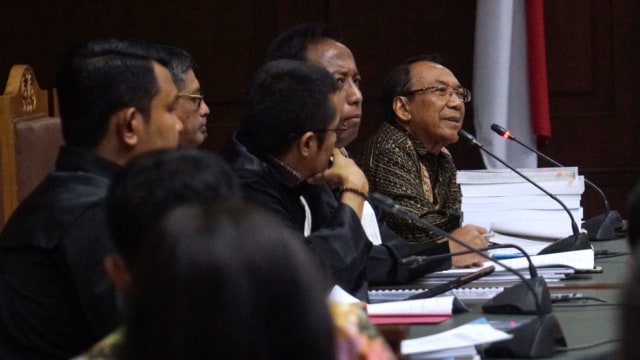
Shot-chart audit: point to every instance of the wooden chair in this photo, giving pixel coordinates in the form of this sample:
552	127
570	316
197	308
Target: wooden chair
29	138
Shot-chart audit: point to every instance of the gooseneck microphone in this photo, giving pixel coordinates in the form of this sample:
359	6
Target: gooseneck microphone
539	337
576	241
605	226
516	304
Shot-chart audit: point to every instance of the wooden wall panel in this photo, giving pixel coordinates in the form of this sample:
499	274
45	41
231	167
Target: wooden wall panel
592	47
593	52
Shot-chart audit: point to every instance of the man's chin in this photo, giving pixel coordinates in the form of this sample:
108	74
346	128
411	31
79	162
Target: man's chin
347	137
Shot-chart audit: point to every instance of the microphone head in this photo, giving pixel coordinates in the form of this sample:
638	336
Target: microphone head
470	138
501	131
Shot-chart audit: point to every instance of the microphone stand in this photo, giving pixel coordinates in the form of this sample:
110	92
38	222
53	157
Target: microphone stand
539	337
577	241
606	226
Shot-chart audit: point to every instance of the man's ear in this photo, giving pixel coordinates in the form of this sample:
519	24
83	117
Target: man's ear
128	122
119	273
401	108
308	144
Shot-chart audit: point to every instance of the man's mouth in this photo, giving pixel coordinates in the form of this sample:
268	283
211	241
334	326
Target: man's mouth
352	121
455	120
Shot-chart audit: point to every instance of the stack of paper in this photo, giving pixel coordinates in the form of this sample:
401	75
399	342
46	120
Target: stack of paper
556	266
424	311
457	342
505	202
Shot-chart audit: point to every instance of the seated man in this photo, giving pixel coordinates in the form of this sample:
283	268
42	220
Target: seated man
316	44
191	109
407	160
55	299
140	197
284	154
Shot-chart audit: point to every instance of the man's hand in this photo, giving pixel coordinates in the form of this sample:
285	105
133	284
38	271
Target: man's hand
342	172
345	174
471	235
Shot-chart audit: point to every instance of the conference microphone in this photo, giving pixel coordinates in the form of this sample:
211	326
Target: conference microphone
417	259
605	226
539	337
576	241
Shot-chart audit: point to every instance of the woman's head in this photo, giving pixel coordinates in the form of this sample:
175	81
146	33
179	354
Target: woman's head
228	282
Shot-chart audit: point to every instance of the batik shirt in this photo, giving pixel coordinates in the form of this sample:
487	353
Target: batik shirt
398	165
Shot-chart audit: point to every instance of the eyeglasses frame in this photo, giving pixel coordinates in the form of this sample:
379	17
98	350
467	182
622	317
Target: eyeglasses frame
465	96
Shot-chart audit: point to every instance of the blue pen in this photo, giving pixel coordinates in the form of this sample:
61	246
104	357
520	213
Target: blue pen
506	256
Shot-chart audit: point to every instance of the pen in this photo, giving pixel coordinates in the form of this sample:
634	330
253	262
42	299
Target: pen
489	234
450	285
506	256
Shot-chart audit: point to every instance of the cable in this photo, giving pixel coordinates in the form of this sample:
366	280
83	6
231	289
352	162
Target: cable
571	297
599	303
605	254
587	346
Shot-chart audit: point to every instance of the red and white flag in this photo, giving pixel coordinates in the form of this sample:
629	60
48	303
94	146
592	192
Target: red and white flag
510	79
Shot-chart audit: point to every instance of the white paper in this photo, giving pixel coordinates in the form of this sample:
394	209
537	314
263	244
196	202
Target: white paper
339	296
461	336
441	305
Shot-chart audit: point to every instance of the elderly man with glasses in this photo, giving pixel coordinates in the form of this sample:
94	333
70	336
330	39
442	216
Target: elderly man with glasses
424	106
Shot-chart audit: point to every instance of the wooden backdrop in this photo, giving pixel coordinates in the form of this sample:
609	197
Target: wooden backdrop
593	49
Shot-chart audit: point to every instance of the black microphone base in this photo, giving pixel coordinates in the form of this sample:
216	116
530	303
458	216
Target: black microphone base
518	299
538	338
606	226
570	243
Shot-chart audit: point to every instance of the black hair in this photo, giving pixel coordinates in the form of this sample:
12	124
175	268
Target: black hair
293	43
97	79
633	218
227	282
154	183
286	99
398	82
180	61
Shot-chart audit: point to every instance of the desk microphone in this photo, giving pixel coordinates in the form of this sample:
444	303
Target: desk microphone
576	241
605	226
539	337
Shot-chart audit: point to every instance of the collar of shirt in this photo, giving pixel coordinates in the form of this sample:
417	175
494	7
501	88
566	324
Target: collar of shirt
420	149
84	160
289	176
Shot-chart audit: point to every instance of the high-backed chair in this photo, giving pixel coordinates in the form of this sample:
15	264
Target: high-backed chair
29	138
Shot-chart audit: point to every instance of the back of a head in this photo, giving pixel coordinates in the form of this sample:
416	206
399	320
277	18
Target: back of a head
293	43
630	316
286	99
99	78
398	82
154	183
633	221
228	282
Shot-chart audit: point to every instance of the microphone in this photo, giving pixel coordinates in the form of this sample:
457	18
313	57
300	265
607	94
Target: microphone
539	337
414	259
605	226
516	304
576	241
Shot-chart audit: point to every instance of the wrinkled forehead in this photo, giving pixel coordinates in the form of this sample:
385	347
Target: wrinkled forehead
426	73
329	53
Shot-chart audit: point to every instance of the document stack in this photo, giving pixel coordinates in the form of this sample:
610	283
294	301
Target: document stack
504	202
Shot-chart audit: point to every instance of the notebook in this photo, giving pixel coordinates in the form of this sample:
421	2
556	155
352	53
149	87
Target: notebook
470	293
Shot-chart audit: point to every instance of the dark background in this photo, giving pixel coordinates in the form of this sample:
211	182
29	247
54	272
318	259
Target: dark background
593	53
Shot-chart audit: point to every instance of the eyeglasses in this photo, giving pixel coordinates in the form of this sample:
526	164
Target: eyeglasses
196	98
443	90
